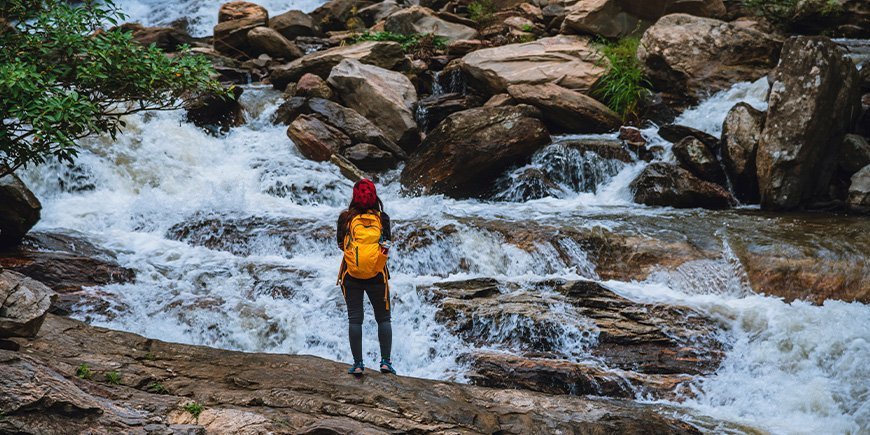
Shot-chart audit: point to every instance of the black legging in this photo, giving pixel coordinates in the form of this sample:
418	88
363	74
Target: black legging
379	297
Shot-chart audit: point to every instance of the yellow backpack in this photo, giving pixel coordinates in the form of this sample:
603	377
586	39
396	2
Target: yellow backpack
363	257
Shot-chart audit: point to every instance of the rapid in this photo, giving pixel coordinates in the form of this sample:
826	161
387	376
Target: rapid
232	242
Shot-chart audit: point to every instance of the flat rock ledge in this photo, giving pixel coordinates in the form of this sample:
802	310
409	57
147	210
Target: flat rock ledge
249	393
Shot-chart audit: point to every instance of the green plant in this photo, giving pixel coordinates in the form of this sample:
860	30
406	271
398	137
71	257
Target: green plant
157	388
528	28
194	408
84	372
624	84
482	12
64	77
150	356
113	377
784	12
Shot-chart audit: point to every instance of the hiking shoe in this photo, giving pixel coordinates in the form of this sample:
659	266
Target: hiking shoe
387	366
357	369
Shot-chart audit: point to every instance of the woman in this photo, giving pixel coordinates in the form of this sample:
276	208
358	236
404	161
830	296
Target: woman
363	234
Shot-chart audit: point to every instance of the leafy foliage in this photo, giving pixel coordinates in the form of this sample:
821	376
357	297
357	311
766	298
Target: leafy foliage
784	12
113	378
63	77
482	12
84	372
624	84
194	408
417	43
157	388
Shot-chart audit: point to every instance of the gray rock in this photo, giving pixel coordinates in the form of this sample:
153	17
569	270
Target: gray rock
741	133
25	302
264	40
294	23
699	159
859	191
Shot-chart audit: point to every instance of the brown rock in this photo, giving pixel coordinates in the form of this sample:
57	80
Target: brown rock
264	40
378	12
20	211
616	19
569	61
316	139
369	157
855	154
695	156
566	110
167	39
813	101
464	46
312	86
741	133
674	133
690	56
383	54
384	97
231	37
470	149
25	302
240	10
294	23
356	126
347	168
668	185
335	14
500	100
290	109
430	111
417	19
608	149
219	111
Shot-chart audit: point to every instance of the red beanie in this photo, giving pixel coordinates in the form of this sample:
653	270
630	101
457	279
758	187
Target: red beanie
364	195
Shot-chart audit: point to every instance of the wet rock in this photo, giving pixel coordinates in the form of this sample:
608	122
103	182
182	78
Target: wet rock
316	139
814	98
859	191
383	54
664	184
690	56
636	142
855	154
569	61
674	133
235	20
566	110
264	40
20	210
431	110
64	262
284	391
369	157
384	97
294	23
470	149
354	125
378	12
290	109
615	19
25	302
608	149
741	133
312	86
167	39
417	19
220	112
695	156
654	348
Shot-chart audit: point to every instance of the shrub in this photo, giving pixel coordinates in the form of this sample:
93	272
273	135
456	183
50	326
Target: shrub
157	388
113	377
194	408
84	372
624	84
482	12
64	77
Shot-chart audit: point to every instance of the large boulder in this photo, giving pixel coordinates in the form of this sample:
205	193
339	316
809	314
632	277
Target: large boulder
19	210
378	11
168	39
24	305
335	14
566	110
294	23
369	157
417	19
690	56
814	98
699	159
741	133
264	40
312	86
470	149
431	110
316	139
619	18
859	191
569	61
354	125
855	154
664	184
218	111
235	20
383	54
384	97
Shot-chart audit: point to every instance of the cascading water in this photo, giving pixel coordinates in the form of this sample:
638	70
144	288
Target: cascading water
232	241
